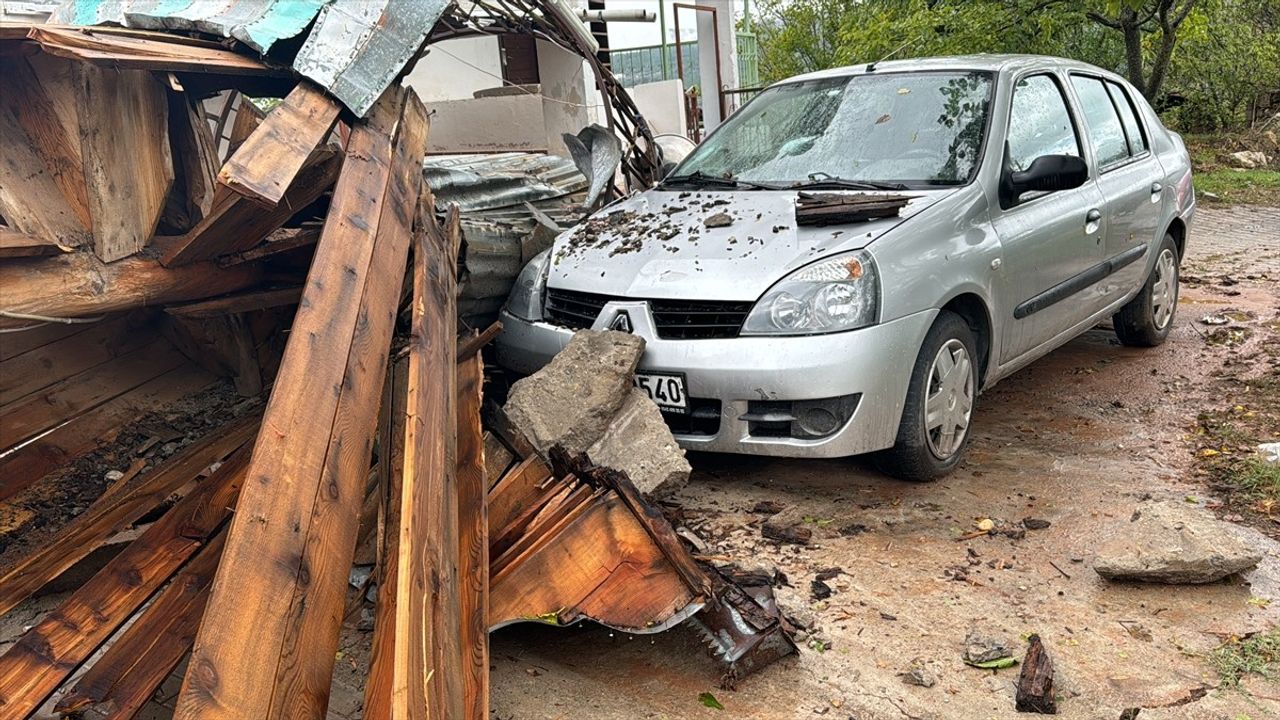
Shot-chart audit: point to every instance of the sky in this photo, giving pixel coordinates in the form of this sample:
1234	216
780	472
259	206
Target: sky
628	35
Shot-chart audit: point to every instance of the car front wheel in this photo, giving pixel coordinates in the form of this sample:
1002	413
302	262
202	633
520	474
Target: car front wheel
1146	320
934	430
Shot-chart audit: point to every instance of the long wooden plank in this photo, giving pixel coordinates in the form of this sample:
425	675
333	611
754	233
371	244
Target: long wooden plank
44	123
242	302
265	166
45	655
79	284
31	200
133	667
512	492
127	165
236	223
59	360
29	416
473	541
19	469
266	645
38	336
116	511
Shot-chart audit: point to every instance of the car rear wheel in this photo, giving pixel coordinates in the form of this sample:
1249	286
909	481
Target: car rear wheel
1146	320
934	430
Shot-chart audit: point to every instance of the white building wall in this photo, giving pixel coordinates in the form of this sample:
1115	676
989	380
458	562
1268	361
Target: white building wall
454	69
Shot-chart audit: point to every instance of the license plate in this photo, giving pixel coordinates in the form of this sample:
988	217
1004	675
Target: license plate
664	389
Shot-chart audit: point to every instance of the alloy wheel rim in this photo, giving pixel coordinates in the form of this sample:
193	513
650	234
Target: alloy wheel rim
1164	289
948	401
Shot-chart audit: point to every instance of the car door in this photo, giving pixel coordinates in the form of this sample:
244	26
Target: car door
1129	177
1050	241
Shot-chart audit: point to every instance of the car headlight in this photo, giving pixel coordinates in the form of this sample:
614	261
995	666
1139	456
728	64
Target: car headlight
525	300
839	293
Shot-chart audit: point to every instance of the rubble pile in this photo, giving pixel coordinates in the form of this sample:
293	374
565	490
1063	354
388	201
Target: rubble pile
164	239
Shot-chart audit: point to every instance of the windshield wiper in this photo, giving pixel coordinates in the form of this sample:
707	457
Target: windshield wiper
701	179
841	183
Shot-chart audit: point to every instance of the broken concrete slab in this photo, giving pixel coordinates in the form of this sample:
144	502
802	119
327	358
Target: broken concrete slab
572	400
639	443
1169	542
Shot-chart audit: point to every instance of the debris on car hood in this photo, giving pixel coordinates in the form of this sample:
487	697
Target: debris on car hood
840	208
733	245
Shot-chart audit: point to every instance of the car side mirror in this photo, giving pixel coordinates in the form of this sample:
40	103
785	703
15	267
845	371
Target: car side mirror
1048	173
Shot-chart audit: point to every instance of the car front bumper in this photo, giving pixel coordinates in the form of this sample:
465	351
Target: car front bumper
739	376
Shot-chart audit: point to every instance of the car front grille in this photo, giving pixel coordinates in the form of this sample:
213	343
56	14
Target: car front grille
675	319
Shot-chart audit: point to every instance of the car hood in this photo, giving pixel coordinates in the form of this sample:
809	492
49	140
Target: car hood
670	244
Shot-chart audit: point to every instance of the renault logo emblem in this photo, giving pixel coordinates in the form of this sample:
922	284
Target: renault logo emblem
621	322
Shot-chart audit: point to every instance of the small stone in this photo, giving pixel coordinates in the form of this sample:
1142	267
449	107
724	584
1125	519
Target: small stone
113	476
1035	523
979	648
1270	453
986	525
719	220
919	674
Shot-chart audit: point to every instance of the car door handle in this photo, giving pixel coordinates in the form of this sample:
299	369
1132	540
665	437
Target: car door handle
1157	192
1092	221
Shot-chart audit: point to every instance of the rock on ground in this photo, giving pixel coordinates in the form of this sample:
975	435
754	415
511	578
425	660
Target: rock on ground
1170	542
572	400
639	443
1249	159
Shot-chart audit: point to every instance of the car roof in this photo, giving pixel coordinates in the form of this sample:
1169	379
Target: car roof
982	62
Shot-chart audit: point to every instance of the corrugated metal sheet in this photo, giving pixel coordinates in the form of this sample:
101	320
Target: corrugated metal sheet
490	181
257	23
355	49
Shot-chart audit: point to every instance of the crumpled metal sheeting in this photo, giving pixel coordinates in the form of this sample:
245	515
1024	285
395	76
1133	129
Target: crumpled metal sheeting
489	181
357	49
256	23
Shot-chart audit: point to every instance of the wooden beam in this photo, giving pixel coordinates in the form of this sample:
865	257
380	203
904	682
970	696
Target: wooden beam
238	303
195	161
248	118
265	166
45	655
53	135
79	284
236	223
281	241
267	642
473	541
134	666
124	140
116	511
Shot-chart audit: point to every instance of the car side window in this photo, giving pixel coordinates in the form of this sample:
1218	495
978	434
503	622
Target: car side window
1129	118
1039	122
1105	131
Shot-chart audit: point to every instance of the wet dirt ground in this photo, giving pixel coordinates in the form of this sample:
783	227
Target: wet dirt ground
1079	439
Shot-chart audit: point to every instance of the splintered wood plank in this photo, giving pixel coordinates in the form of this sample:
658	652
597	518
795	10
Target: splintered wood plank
46	654
116	511
514	491
267	642
79	284
47	127
417	670
15	244
30	463
31	198
248	118
473	541
59	360
124	140
29	416
236	223
497	460
281	241
195	161
625	582
265	166
133	667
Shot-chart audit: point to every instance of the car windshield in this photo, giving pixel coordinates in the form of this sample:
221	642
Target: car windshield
910	128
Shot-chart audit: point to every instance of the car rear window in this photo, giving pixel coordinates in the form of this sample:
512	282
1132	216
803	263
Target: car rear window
1106	134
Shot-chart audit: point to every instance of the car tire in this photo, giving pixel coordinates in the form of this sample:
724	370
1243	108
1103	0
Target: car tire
921	453
1145	320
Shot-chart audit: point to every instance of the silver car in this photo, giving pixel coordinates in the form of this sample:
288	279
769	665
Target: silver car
1042	196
